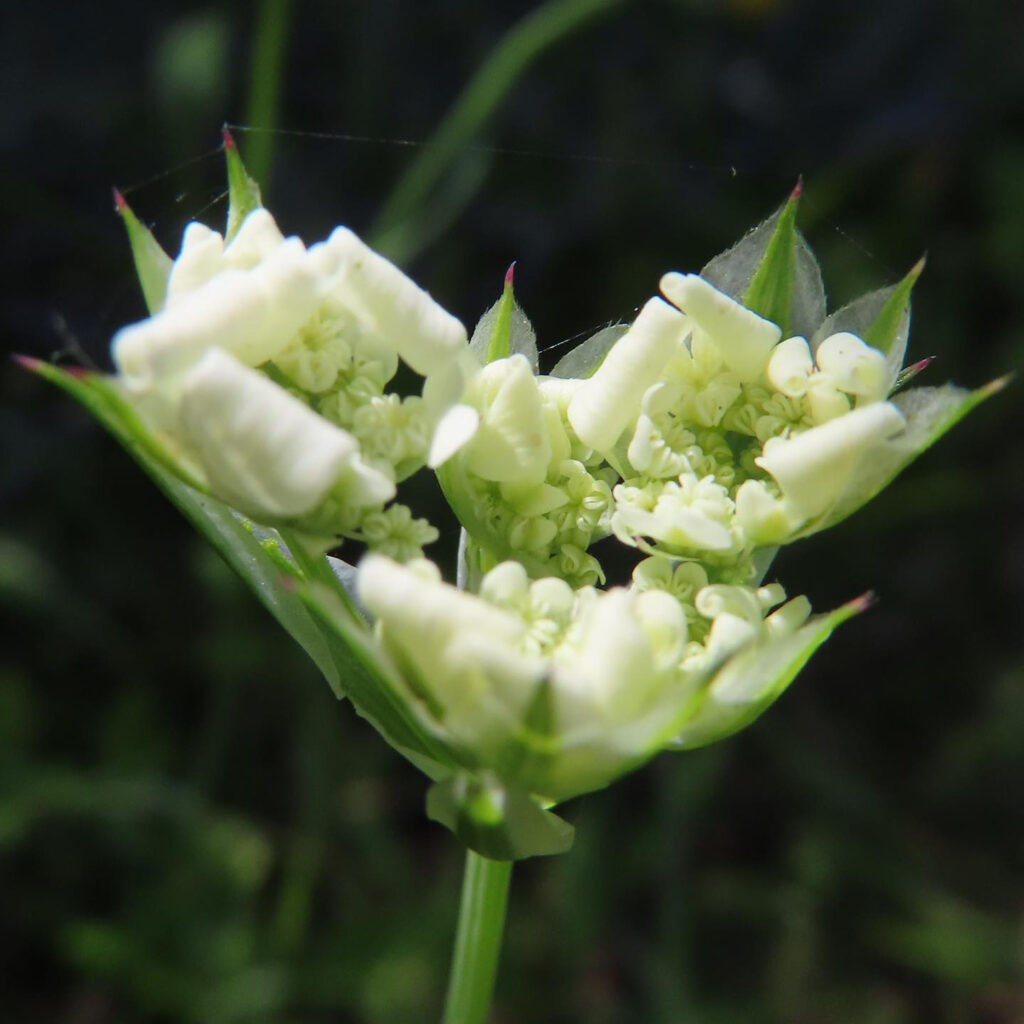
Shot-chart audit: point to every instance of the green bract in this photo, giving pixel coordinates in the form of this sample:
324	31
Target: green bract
730	418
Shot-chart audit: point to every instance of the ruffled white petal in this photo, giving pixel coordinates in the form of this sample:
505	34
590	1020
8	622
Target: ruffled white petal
263	450
814	468
743	338
424	334
602	407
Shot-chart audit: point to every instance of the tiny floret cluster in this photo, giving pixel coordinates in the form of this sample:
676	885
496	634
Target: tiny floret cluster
619	515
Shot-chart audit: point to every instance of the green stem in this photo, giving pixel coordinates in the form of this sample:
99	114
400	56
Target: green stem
265	85
478	939
536	32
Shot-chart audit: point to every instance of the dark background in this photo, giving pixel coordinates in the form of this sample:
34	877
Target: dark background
192	829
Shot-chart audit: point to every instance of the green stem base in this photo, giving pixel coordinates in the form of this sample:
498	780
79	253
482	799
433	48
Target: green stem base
477	939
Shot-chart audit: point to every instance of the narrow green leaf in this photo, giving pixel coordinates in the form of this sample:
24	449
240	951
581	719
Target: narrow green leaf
884	331
773	271
152	264
243	191
505	330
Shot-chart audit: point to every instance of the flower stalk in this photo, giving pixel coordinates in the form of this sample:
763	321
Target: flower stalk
478	936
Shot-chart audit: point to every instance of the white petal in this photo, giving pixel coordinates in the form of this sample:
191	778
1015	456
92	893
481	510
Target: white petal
252	314
814	468
453	430
603	406
262	449
424	334
256	239
201	257
743	338
511	444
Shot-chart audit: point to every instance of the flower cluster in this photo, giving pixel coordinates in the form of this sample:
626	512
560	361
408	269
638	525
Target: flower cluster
263	371
732	416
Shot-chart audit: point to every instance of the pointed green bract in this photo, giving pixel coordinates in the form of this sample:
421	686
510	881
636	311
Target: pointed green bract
243	191
772	271
222	527
756	677
505	330
152	264
770	292
930	413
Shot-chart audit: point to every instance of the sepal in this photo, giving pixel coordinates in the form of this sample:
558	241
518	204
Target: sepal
152	264
505	330
757	675
243	191
497	820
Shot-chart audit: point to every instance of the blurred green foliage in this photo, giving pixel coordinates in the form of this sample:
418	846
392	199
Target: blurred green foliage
192	829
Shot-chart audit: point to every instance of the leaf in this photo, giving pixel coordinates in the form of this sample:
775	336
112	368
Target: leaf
881	318
243	191
929	412
218	523
773	271
505	330
152	264
341	648
583	361
375	687
756	676
497	820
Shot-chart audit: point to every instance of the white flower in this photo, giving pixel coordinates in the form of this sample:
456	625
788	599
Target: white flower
608	659
854	366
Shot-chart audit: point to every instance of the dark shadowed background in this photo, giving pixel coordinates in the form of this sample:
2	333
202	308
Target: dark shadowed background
193	830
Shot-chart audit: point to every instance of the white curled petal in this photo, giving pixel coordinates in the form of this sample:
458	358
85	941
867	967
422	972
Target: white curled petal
854	366
255	240
261	449
252	314
743	338
511	444
425	335
607	673
813	468
454	430
789	366
603	406
201	257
